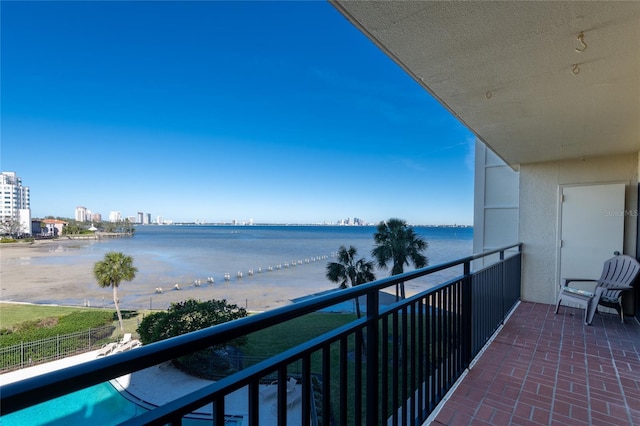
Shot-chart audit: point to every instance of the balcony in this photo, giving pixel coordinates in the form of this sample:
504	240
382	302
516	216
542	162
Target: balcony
544	369
539	368
407	353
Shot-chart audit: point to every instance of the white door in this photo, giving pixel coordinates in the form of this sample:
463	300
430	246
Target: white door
592	228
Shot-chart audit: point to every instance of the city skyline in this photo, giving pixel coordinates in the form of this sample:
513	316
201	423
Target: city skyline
278	111
84	214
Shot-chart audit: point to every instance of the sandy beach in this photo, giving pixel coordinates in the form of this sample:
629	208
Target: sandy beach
58	272
22	281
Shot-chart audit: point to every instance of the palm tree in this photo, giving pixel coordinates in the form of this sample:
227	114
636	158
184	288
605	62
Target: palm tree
398	243
110	272
349	271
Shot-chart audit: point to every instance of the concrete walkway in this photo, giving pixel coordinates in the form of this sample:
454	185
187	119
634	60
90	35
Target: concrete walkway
36	370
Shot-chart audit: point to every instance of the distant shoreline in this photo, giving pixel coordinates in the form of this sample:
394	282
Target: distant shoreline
37	242
368	225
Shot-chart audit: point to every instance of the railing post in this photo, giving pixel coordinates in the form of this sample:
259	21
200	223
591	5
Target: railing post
503	286
467	294
467	314
372	398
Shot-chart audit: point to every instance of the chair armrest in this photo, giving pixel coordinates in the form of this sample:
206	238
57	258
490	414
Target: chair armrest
585	280
576	292
617	287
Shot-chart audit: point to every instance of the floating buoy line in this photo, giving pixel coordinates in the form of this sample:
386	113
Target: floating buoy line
250	272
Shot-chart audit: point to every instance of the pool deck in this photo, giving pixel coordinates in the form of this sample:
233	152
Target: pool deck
161	384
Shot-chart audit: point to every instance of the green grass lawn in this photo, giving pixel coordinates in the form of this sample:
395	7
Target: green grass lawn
262	344
280	337
12	314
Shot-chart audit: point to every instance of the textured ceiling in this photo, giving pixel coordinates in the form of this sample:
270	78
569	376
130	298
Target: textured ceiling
511	73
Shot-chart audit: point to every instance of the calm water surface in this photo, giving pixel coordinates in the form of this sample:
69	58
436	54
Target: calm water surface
166	255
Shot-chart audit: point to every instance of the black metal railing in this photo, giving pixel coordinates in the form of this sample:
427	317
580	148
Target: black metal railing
393	365
28	354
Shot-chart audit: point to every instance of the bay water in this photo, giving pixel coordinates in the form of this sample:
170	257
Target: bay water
184	254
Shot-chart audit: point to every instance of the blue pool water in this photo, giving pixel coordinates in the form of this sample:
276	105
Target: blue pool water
100	404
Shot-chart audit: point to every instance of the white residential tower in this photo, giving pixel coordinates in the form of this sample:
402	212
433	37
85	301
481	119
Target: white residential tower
15	210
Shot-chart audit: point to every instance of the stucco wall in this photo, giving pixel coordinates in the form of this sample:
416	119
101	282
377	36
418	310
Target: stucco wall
539	214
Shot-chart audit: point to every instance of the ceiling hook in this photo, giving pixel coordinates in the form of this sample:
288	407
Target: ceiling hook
581	40
575	69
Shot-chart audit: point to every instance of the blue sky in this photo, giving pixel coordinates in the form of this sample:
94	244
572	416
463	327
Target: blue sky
272	111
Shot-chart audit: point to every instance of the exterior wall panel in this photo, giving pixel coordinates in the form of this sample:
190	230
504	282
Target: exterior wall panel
495	204
539	214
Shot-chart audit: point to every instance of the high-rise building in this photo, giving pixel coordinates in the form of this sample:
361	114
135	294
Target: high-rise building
140	217
114	216
81	214
147	219
15	210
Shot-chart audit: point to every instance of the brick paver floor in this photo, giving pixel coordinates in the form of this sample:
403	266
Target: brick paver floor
548	369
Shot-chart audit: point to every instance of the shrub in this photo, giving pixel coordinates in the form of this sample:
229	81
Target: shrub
187	316
214	362
211	363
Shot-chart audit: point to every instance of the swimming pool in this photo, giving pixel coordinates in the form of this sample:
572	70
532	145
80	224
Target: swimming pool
101	404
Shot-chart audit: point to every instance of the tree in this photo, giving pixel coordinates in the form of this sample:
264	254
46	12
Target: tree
74	227
187	316
348	271
127	227
111	271
109	226
11	225
397	243
214	362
